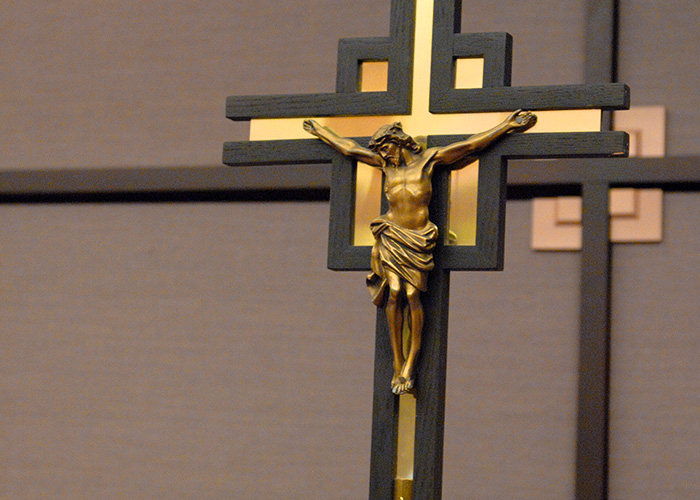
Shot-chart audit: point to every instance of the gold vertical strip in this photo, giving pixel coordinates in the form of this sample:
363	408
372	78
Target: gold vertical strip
406	436
406	432
403	489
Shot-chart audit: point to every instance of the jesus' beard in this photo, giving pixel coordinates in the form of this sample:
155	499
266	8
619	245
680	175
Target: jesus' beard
394	161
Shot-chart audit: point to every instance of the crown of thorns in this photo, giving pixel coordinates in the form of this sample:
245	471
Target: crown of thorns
392	133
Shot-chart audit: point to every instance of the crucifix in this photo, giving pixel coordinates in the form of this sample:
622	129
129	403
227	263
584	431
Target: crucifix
404	236
426	60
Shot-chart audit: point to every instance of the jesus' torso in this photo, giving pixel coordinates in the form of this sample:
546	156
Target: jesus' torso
408	189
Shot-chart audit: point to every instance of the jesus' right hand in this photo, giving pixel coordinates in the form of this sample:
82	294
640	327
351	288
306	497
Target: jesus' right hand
311	127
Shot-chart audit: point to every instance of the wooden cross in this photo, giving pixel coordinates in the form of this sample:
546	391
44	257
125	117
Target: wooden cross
421	52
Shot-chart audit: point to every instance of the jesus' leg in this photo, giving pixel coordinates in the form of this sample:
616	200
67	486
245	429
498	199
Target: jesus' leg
394	316
416	311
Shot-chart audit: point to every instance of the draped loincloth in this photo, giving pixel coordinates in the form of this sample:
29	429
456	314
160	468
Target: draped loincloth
406	252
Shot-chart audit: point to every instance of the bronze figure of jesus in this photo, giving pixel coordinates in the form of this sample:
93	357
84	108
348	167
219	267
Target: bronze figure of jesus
404	236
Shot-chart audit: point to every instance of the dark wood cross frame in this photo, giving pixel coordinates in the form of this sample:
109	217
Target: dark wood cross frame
487	254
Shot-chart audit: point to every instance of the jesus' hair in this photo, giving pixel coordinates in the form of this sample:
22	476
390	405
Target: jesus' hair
393	133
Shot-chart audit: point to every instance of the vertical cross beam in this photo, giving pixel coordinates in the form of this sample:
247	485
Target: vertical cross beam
594	338
594	328
432	366
601	46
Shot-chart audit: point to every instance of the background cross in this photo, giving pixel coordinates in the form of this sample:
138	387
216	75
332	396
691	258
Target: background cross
405	95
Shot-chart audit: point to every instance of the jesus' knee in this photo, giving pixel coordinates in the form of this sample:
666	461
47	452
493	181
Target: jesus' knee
395	289
394	295
413	297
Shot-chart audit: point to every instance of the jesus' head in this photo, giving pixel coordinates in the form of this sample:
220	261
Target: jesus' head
389	135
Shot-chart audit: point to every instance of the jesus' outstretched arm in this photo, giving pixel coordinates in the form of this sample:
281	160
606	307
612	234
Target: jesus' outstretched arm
518	121
346	146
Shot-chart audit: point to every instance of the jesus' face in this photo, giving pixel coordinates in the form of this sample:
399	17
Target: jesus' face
391	153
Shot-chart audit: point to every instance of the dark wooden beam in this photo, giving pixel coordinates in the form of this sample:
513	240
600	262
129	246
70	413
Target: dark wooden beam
432	363
384	430
601	41
594	346
88	181
670	171
601	32
547	97
674	173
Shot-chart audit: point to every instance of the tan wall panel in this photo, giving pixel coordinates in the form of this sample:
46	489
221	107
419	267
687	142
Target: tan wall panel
189	350
660	60
180	351
512	363
548	37
144	83
655	381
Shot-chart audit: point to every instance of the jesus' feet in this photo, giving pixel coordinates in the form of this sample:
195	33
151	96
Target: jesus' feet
401	385
404	382
396	382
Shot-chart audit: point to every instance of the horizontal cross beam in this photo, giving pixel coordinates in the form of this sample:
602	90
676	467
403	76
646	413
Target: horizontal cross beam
537	98
285	152
616	171
554	145
680	172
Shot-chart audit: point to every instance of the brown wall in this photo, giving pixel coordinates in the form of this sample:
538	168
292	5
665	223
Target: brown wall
143	83
204	351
